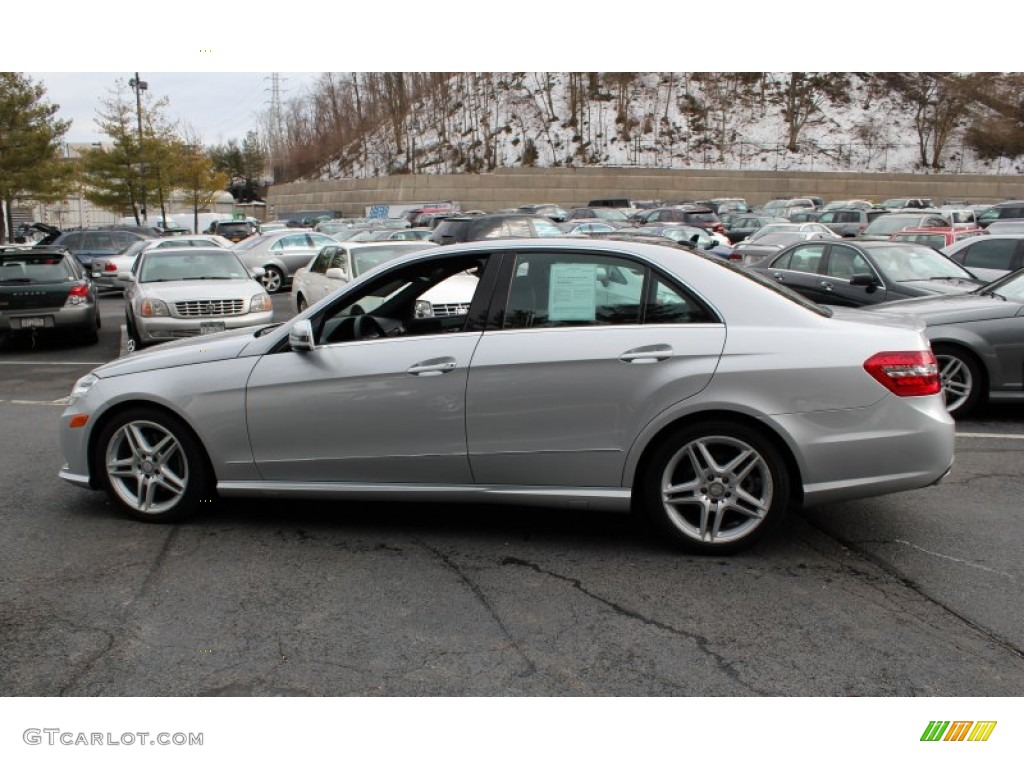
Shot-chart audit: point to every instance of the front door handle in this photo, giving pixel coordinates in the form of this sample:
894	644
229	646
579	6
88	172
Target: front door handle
434	367
654	353
826	285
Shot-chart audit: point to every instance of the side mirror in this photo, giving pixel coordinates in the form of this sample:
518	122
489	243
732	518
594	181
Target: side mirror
300	337
336	273
257	272
866	280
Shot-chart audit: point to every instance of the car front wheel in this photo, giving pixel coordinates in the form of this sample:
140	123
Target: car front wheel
961	379
716	487
151	465
273	279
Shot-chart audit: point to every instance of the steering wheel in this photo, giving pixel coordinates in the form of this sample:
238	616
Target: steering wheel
367	327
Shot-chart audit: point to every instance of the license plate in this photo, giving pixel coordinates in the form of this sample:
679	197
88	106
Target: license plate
33	322
210	327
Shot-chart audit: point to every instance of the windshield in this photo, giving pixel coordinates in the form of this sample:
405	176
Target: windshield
886	225
28	268
1010	287
161	266
910	261
365	259
610	214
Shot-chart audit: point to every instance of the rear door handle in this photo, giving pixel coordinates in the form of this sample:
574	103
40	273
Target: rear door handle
654	353
434	367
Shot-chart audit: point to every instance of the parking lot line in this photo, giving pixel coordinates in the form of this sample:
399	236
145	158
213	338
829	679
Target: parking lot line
989	436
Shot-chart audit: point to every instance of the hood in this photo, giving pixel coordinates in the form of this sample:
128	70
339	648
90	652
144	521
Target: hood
950	285
201	290
961	308
198	349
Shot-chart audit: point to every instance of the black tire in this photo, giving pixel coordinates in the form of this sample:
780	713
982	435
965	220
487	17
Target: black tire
300	304
715	507
162	474
91	335
963	381
273	280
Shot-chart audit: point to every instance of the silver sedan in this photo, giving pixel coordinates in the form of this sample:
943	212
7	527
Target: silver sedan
587	375
175	293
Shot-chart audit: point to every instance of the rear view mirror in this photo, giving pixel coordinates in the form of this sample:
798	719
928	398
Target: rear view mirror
336	273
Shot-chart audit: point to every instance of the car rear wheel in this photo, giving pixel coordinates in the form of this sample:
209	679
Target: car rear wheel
151	465
273	279
716	487
961	377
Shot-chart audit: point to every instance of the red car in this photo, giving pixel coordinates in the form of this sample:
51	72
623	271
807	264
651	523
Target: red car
937	237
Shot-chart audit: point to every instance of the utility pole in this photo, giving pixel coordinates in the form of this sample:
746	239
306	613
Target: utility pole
139	86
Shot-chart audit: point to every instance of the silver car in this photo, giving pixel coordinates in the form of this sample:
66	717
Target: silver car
174	293
340	263
280	254
977	340
108	271
587	375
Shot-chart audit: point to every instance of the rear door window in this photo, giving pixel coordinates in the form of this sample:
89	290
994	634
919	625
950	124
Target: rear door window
994	253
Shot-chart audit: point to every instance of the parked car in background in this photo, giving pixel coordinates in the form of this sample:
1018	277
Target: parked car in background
936	237
520	399
87	244
1004	226
695	237
854	204
976	339
333	226
849	222
46	290
751	252
959	217
896	203
339	264
234	230
989	257
280	253
801	215
858	273
461	229
175	293
721	205
587	226
380	235
886	224
109	271
694	215
613	216
743	226
1011	209
554	212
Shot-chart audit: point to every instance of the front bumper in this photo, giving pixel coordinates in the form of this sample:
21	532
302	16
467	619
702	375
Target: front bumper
152	330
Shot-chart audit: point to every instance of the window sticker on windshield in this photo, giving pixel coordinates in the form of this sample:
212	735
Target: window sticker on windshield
573	293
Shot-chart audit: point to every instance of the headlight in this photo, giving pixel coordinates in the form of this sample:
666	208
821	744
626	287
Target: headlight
260	303
82	386
423	308
153	308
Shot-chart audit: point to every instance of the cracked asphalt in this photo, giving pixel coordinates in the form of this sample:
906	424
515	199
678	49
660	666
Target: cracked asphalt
915	594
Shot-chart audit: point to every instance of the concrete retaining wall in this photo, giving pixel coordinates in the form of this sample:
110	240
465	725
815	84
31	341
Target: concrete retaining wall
570	187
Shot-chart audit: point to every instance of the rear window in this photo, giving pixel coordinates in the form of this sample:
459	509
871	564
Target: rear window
33	268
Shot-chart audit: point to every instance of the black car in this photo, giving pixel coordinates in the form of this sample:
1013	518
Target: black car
743	226
1011	209
857	274
44	289
461	229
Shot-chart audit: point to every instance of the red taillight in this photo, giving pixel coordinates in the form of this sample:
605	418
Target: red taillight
110	267
79	294
79	290
906	374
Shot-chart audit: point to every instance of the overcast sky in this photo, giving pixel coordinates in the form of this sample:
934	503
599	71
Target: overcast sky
218	105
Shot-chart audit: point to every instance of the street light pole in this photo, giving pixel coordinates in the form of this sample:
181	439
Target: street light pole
140	86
